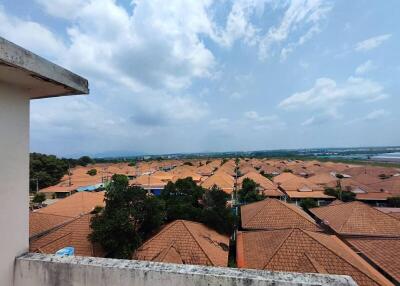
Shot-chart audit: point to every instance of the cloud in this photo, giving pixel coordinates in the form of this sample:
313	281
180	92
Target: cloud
258	121
321	118
365	68
327	95
301	14
372	116
25	33
372	43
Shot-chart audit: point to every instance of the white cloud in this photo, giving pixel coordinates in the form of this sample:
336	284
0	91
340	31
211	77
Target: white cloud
327	95
305	14
25	33
258	121
365	68
372	116
372	43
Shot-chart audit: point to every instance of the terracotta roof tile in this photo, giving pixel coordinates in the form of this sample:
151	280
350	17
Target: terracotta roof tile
188	243
41	222
221	180
75	205
73	233
357	218
383	252
303	251
275	214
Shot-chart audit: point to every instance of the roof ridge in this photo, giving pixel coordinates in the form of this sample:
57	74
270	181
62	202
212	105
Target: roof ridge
341	256
195	239
259	202
162	230
279	246
298	212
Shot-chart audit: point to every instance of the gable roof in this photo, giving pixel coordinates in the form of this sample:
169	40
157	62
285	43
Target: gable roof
221	180
380	251
296	250
75	205
357	218
74	233
275	214
186	242
42	222
264	183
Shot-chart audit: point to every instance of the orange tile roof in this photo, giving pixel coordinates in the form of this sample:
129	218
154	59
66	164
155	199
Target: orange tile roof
275	214
295	250
264	183
75	205
186	242
290	182
324	179
73	233
311	195
383	252
357	218
42	222
222	180
148	181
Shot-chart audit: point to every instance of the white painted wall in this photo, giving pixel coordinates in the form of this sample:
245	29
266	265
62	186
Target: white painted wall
14	177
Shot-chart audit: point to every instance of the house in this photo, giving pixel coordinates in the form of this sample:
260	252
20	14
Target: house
357	219
74	205
150	183
271	214
73	233
186	242
297	188
220	179
299	250
267	187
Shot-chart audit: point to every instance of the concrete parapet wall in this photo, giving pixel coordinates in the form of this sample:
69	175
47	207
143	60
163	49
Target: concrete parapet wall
50	270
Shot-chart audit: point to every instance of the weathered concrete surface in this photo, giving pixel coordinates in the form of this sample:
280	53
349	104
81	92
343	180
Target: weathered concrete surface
37	76
50	270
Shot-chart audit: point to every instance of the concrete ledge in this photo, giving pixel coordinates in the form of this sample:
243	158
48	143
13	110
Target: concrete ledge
48	270
41	78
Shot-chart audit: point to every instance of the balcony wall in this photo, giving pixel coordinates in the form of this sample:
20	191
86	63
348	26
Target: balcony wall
50	270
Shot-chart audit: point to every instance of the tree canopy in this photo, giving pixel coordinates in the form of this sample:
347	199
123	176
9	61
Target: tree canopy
129	217
250	192
344	196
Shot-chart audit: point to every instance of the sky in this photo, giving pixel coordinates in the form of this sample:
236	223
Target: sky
201	75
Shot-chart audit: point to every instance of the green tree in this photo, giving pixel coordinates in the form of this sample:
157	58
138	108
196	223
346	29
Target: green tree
92	172
85	160
45	170
216	214
182	199
250	192
344	196
308	203
129	216
39	198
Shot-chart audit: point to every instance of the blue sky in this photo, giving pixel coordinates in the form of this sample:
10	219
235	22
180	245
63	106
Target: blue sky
196	76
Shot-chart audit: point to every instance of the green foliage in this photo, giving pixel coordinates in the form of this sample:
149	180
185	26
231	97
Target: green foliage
182	199
132	164
224	161
339	176
308	203
215	213
250	192
188	163
46	169
268	176
344	196
394	202
286	170
208	162
186	200
39	198
92	172
130	216
85	160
